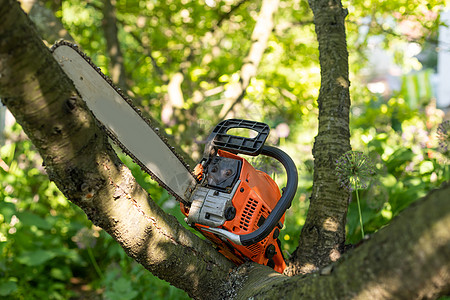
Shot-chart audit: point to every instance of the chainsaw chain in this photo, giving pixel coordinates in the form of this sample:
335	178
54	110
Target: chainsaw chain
138	111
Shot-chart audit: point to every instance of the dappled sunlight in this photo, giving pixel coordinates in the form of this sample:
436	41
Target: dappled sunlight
413	249
276	274
308	268
330	224
140	215
436	232
335	255
343	82
377	290
155	238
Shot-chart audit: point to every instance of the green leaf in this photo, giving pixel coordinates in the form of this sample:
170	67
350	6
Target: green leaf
30	219
398	158
7	152
7	288
35	258
388	180
7	209
121	289
62	273
426	167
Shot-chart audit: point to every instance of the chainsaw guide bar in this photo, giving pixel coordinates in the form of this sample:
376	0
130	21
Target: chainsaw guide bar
171	172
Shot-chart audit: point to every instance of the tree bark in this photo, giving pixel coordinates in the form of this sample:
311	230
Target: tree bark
116	61
409	259
79	160
323	235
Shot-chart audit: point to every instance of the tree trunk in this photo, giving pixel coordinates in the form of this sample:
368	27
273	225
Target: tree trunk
323	235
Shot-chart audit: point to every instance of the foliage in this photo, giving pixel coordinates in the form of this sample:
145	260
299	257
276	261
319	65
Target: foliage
207	42
48	248
407	158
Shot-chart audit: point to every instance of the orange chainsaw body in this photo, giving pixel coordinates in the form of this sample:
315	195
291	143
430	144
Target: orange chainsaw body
255	198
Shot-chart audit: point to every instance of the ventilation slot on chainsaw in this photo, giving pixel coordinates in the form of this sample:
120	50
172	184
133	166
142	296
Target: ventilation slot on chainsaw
255	248
249	210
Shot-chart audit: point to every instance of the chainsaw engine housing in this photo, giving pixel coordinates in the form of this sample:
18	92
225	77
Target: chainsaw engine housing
240	209
238	198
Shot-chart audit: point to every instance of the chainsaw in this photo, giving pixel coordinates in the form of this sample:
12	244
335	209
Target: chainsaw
237	207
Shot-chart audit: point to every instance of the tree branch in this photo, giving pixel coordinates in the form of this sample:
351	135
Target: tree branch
323	235
409	259
148	52
225	16
116	63
260	36
49	27
79	160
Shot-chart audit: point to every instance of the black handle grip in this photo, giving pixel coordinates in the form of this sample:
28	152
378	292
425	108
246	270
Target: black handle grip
283	204
219	138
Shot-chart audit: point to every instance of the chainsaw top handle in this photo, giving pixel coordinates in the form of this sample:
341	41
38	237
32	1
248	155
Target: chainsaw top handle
220	139
282	205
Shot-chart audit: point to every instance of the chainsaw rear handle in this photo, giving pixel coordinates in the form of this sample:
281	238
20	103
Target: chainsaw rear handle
283	204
